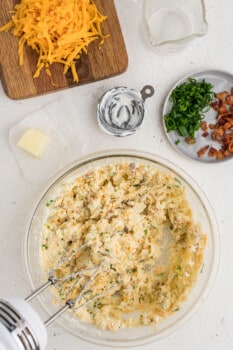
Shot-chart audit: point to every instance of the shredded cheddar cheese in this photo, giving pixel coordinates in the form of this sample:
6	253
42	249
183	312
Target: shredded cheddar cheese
59	30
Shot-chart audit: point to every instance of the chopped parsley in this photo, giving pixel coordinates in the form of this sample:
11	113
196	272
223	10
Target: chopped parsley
190	101
49	202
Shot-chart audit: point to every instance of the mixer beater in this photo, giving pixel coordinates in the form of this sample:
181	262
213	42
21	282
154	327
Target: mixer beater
21	328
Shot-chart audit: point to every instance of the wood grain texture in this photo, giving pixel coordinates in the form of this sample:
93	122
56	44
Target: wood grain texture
101	62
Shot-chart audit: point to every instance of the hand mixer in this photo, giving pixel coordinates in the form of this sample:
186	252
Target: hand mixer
21	328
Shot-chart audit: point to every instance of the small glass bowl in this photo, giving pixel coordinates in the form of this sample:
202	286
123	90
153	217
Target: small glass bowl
171	24
202	213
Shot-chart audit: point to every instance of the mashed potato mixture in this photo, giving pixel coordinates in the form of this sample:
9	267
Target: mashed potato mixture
140	250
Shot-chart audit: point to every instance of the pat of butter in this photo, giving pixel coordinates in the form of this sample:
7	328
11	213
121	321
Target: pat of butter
34	141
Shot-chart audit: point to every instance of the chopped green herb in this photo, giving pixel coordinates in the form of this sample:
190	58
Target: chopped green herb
160	274
190	101
49	202
137	185
202	268
45	246
61	292
97	304
140	298
177	142
145	232
134	269
178	181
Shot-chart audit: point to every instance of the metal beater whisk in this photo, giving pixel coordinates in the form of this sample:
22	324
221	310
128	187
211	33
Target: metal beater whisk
20	326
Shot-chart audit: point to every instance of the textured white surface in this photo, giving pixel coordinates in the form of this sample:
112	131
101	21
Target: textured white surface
212	326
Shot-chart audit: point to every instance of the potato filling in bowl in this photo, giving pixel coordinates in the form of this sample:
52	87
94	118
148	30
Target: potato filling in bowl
138	236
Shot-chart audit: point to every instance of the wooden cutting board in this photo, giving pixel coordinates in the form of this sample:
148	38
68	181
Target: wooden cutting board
102	61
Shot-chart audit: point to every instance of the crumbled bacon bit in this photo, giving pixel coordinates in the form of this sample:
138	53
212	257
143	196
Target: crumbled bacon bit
190	140
214	105
202	151
230	147
227	126
229	119
220	155
222	108
212	126
204	125
221	95
222	130
218	134
90	174
229	100
227	153
212	152
132	167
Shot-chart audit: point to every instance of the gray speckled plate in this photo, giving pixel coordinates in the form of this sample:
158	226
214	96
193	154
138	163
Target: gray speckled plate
221	81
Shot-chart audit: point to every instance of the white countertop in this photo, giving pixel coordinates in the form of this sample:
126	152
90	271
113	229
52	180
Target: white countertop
212	325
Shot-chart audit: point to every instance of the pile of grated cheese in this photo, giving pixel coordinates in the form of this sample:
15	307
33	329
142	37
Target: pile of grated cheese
59	30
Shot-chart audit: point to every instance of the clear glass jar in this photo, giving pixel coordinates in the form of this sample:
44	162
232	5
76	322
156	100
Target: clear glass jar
171	24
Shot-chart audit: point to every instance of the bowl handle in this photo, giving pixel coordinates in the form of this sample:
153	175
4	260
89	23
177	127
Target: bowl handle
147	91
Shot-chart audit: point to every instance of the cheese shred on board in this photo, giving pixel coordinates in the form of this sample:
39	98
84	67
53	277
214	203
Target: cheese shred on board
59	30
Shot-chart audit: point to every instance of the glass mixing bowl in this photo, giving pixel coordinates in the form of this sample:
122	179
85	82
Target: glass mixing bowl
202	213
